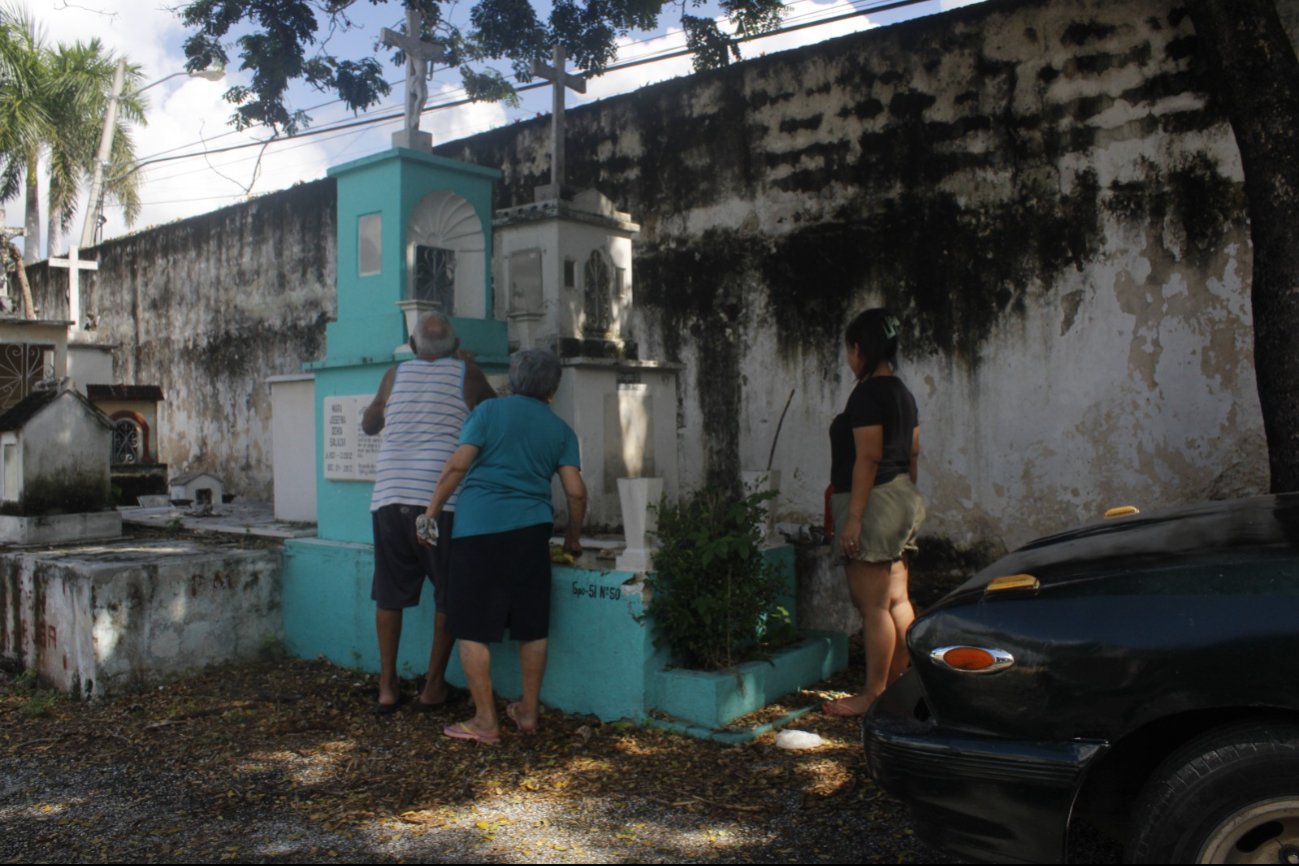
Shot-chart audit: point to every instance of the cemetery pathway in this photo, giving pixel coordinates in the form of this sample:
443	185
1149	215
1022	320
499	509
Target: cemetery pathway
283	760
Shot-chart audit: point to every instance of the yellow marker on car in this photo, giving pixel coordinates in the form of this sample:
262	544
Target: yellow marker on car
1122	511
1011	582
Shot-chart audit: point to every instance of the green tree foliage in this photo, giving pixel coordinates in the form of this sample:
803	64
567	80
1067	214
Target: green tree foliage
53	100
287	40
714	596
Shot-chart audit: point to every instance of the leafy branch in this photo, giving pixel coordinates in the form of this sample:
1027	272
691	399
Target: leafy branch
287	41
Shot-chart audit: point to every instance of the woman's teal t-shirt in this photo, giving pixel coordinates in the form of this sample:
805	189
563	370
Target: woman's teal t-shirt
521	446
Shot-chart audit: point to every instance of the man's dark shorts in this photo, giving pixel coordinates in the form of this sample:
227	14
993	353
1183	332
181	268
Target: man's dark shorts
401	563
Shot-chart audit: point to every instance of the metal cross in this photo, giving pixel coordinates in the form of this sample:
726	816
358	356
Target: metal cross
420	56
561	79
75	266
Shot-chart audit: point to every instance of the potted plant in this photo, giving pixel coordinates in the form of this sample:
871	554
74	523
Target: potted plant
714	595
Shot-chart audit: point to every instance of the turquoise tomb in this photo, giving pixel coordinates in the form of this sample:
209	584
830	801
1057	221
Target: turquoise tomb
415	232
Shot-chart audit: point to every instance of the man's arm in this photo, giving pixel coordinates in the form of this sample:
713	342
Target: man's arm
373	420
476	387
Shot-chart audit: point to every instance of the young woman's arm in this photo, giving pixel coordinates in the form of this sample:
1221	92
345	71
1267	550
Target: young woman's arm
870	450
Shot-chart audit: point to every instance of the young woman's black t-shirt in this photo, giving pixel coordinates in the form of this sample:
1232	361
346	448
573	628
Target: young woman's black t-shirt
880	401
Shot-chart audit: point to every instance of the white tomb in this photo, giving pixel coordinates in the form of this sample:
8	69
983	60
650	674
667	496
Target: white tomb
565	268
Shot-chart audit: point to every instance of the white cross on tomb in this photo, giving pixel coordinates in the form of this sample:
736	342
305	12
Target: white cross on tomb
420	55
561	79
75	266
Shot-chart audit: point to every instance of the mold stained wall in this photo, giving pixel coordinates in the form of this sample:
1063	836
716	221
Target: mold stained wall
207	308
1044	190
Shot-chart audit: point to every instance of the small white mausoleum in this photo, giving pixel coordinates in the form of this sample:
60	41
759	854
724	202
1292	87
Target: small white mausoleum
55	450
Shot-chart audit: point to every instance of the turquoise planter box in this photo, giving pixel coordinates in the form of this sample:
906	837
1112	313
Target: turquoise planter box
602	655
713	699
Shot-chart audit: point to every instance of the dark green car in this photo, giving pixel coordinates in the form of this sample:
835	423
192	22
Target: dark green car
1141	674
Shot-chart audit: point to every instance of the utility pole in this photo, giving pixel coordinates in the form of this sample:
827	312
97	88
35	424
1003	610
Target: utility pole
95	203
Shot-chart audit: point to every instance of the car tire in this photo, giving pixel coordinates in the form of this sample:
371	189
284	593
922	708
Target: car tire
1231	795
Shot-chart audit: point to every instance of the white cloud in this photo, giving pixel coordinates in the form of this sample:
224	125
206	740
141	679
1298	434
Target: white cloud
956	4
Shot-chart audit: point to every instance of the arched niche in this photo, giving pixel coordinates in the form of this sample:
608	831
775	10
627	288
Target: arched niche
445	255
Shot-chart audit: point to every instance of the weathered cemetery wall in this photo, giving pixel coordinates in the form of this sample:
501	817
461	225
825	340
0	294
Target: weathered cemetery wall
1044	190
208	308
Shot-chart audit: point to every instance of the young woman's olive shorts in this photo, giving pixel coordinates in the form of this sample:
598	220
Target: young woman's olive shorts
891	523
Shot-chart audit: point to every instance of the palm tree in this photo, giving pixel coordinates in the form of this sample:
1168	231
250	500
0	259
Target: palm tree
24	120
83	73
52	105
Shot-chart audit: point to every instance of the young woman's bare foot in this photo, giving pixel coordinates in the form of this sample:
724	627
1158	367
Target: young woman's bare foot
857	705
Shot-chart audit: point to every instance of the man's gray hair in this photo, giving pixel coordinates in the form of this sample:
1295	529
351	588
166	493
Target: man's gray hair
534	373
434	334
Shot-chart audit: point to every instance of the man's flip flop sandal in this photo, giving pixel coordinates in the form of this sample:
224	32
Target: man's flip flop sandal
389	709
460	732
512	711
455	697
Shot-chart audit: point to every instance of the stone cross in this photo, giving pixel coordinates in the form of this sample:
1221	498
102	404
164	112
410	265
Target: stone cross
75	266
561	79
419	57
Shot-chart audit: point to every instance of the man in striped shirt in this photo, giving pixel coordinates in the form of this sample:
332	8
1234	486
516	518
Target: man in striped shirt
421	406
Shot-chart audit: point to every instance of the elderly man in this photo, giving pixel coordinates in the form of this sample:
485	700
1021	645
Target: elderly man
421	404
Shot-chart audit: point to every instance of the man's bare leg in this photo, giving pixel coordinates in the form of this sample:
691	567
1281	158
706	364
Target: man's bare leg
476	659
435	683
387	624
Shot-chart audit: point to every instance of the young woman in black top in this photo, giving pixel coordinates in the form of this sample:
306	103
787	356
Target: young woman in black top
874	446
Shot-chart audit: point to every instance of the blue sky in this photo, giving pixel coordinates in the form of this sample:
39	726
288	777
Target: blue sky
189	116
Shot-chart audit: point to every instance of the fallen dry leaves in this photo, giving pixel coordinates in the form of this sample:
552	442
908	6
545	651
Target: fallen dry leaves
299	736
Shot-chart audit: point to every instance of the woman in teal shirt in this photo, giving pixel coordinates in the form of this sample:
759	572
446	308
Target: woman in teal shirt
509	451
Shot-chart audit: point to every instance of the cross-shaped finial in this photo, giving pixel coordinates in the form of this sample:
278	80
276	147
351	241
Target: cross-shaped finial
420	55
75	265
561	79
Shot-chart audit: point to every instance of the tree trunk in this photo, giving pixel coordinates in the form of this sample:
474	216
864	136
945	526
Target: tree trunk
20	271
1250	55
32	223
53	237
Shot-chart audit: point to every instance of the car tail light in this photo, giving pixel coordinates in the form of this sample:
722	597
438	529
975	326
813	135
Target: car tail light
972	659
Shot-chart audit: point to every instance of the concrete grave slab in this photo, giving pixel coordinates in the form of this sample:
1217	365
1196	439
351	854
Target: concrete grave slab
102	620
60	528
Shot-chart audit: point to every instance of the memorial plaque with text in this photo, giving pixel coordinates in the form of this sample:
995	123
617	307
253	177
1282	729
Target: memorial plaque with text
350	455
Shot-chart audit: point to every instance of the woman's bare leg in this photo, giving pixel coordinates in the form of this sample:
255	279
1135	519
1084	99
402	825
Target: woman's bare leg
532	658
902	614
870	588
476	659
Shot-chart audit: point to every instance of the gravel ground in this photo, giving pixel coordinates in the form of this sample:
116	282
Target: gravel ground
283	759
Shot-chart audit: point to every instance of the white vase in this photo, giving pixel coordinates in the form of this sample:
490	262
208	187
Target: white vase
639	498
760	481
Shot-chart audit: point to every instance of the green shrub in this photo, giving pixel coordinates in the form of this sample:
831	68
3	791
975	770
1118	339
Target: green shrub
713	595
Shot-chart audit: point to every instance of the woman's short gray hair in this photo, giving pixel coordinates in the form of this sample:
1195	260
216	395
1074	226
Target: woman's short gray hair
534	373
434	334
